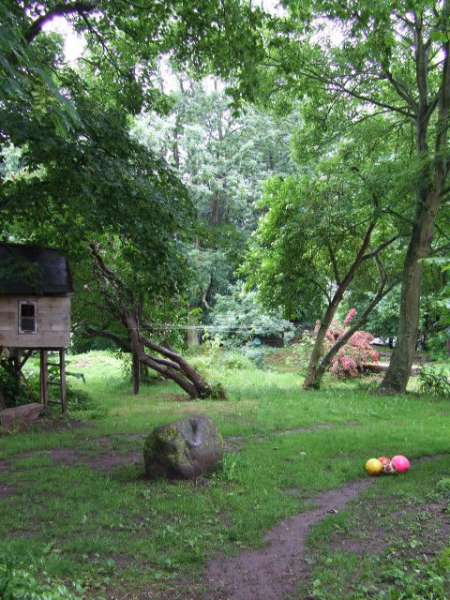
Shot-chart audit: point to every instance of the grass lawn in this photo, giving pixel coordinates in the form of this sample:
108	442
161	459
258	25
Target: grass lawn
74	501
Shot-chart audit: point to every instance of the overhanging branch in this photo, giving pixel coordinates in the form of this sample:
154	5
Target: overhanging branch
60	10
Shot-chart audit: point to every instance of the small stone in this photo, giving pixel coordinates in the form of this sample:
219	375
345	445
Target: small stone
185	449
20	417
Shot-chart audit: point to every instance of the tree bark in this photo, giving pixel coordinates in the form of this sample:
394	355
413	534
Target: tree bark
122	303
174	367
201	389
316	373
313	376
136	374
192	338
428	200
59	10
16	367
326	360
399	370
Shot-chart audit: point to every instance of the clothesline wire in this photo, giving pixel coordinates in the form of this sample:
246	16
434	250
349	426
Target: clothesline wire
201	327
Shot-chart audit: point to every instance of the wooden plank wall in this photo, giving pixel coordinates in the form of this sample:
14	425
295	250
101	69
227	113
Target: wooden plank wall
53	323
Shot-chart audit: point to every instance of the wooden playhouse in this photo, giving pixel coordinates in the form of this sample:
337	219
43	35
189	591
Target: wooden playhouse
35	297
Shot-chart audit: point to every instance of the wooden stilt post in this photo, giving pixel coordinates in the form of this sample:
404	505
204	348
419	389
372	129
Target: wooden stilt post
44	377
62	380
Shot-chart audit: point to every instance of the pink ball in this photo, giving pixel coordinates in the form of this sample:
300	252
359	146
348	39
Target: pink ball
400	463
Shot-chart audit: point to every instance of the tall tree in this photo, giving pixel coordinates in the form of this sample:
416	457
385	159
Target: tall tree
322	229
120	214
122	307
106	183
391	58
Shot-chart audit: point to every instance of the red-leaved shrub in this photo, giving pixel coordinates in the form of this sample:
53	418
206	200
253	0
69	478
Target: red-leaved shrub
350	360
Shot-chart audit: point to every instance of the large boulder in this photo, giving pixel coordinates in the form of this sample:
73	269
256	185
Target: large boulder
20	417
185	449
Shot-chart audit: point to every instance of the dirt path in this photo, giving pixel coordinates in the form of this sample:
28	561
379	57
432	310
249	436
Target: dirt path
234	443
106	458
273	572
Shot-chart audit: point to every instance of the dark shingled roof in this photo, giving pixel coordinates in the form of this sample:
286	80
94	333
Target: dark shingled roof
33	271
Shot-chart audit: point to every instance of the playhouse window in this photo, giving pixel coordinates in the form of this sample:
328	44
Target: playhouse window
27	317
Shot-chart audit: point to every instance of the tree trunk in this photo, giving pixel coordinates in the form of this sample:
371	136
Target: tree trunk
429	197
314	374
16	367
127	309
399	370
193	338
144	374
313	377
172	366
318	366
136	373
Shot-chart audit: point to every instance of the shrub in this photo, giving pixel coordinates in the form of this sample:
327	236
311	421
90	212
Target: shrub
350	360
212	356
434	381
13	392
443	485
437	346
77	399
236	361
255	352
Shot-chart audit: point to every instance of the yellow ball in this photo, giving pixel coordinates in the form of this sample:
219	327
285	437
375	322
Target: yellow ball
374	466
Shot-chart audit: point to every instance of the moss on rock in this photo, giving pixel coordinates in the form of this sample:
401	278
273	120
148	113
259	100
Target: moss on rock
185	449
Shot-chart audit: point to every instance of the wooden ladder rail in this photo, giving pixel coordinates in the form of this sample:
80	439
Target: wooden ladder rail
45	383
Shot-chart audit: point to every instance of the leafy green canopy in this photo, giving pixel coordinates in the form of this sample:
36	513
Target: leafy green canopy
434	310
73	167
223	160
39	105
124	42
355	49
78	176
100	186
315	222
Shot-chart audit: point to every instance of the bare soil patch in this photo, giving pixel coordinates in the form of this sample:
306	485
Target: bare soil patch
105	459
109	462
273	572
65	456
49	424
60	425
105	462
70	457
7	490
235	443
171	397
